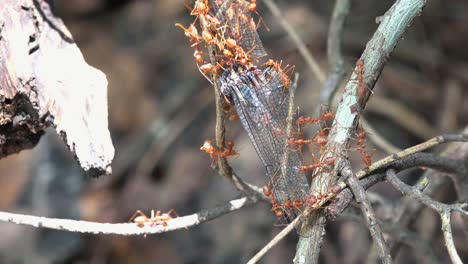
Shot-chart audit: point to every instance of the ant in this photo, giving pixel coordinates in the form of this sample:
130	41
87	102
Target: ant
215	152
282	72
321	138
311	120
298	143
303	120
328	162
200	8
311	166
157	219
366	157
275	205
361	89
192	33
252	6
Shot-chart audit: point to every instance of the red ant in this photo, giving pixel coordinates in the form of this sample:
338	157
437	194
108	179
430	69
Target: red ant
282	72
207	68
310	120
157	219
298	143
321	138
191	32
303	120
361	89
200	8
311	166
275	205
366	157
329	161
328	116
252	6
215	152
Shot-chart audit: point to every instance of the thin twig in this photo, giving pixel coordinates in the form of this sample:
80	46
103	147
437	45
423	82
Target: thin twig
289	122
369	214
417	148
275	241
444	210
127	229
406	236
427	160
336	70
310	60
447	231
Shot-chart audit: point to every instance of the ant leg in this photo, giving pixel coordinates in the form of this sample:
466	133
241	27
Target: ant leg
136	214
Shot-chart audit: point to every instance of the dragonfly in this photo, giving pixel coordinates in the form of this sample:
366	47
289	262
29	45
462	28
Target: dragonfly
262	103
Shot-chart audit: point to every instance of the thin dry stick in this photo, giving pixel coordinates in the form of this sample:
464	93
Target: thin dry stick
444	210
447	231
275	240
369	214
336	70
310	60
128	229
289	121
418	148
407	213
410	238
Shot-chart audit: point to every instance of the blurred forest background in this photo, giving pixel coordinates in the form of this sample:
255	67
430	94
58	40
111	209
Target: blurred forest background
162	110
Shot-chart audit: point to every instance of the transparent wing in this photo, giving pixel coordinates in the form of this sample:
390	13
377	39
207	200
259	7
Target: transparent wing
240	25
262	103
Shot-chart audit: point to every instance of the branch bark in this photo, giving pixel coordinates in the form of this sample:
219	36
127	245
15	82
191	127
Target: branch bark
45	81
369	215
378	49
128	229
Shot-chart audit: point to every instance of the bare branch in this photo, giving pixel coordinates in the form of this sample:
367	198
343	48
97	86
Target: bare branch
369	214
406	152
444	210
274	241
447	231
127	229
335	57
403	235
345	197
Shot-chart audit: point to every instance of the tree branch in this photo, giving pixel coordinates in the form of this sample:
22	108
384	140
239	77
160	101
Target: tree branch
369	214
344	196
444	210
128	229
336	70
378	49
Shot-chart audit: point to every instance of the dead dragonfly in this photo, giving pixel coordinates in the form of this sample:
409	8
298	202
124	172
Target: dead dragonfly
262	101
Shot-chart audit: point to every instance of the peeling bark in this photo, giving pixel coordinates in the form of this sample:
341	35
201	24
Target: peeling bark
45	82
